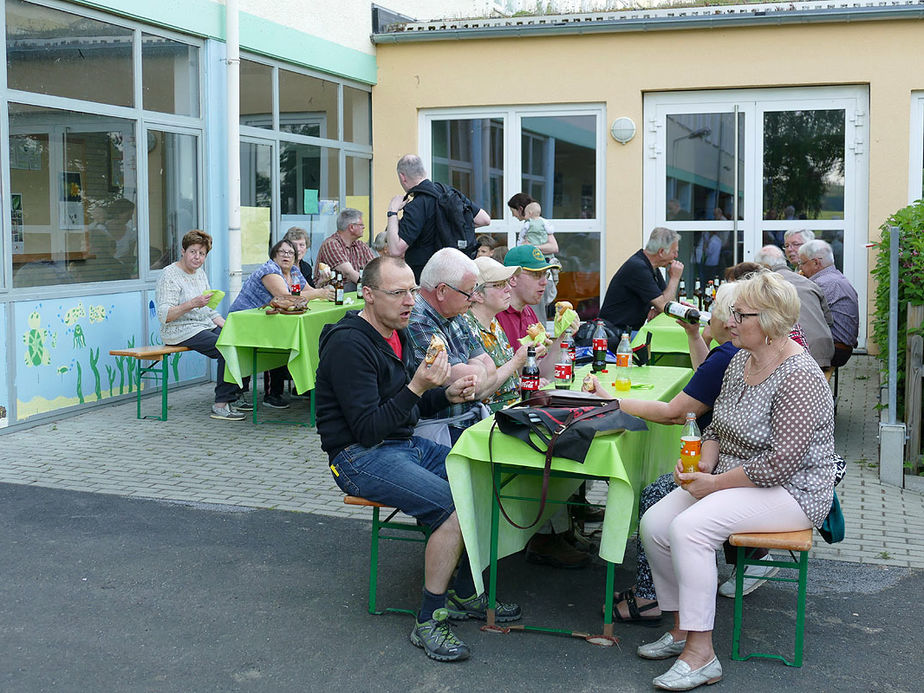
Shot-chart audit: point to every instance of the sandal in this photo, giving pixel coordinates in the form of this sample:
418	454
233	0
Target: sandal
635	611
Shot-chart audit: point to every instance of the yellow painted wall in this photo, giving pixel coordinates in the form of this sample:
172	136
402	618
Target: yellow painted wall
618	69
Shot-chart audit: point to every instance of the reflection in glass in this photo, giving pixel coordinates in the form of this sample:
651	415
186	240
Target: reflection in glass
700	161
256	85
256	202
169	75
469	156
173	202
307	105
357	116
559	162
579	279
54	52
76	177
359	187
706	255
834	237
804	164
307	171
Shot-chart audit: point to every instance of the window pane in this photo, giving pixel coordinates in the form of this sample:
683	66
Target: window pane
834	237
75	175
804	164
579	279
54	52
468	154
358	189
307	105
311	173
705	255
701	166
357	116
560	165
169	75
256	94
173	193
256	202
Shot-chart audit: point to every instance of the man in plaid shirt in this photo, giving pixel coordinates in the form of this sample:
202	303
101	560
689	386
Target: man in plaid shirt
343	251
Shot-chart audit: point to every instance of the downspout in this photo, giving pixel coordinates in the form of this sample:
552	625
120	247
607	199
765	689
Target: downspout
233	48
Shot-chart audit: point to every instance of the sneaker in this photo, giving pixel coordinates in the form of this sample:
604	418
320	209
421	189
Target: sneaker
243	404
436	639
553	550
754	577
226	413
275	401
477	607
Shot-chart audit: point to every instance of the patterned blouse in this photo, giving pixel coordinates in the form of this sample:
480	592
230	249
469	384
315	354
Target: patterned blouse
254	294
780	431
495	343
175	286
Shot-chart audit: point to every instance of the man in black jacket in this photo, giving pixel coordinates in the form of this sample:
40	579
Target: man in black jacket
368	402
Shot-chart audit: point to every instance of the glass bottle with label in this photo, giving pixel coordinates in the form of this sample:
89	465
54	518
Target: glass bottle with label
529	377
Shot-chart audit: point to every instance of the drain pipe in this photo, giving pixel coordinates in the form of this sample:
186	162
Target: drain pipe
892	434
232	31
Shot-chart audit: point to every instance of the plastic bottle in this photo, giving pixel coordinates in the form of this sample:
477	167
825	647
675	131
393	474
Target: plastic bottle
567	344
564	369
599	347
623	381
685	313
529	377
691	445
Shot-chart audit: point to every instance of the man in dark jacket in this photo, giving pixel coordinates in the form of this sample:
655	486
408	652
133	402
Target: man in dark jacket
368	401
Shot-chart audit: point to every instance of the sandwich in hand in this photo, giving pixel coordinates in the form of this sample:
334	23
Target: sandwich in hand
565	317
561	307
323	267
535	334
436	346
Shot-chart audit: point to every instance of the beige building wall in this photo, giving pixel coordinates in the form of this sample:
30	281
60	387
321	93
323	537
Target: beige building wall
618	69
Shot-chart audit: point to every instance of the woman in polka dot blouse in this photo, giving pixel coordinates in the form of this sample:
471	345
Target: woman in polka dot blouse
767	466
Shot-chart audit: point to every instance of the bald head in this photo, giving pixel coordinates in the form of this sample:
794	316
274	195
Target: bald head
770	256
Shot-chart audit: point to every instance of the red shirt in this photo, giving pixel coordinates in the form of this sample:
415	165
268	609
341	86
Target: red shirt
395	342
514	322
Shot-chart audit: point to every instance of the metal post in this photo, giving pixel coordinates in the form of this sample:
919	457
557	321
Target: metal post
892	434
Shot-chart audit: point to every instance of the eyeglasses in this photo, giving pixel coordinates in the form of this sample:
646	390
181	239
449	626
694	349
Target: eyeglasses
739	316
494	285
538	275
396	293
359	224
468	296
285	253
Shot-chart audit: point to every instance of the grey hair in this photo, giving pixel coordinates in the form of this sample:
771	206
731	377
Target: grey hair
661	238
348	216
447	266
817	249
724	298
296	233
411	166
381	240
806	234
770	255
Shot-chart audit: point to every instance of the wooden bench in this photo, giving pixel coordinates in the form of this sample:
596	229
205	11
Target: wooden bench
377	526
154	355
795	542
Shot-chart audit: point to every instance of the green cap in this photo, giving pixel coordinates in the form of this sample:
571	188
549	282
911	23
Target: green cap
529	257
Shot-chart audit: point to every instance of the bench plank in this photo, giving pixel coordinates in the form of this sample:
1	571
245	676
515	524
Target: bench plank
357	500
149	353
792	541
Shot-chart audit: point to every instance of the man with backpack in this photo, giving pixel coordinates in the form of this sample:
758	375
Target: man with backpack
434	216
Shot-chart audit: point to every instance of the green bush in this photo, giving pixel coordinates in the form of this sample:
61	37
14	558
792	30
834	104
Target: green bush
910	220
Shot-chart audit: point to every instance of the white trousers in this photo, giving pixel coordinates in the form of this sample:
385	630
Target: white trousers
681	534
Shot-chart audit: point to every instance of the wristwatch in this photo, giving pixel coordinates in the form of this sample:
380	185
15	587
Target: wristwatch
392	214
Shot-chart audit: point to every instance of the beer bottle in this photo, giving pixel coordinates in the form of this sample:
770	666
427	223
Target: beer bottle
599	347
623	381
682	292
691	445
698	295
338	288
685	313
529	377
708	295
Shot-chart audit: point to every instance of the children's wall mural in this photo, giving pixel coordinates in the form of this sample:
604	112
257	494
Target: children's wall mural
62	351
4	398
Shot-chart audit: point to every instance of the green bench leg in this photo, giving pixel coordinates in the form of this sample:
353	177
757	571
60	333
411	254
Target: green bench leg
377	526
150	373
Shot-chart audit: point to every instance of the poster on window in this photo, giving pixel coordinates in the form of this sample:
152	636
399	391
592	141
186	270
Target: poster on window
70	202
16	236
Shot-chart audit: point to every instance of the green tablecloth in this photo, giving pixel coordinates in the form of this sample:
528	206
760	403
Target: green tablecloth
667	337
280	339
628	461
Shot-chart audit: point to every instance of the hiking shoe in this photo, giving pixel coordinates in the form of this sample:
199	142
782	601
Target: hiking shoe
477	607
243	404
227	413
754	577
436	639
275	401
554	550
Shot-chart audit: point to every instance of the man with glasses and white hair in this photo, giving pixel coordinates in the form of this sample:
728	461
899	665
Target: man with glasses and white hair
818	265
792	241
638	291
343	252
370	393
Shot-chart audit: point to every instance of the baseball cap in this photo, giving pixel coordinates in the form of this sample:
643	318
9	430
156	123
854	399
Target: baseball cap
529	257
490	270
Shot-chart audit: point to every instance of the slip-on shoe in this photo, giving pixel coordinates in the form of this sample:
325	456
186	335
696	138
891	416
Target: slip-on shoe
681	677
662	648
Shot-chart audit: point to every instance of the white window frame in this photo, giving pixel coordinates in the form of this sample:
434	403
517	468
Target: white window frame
916	148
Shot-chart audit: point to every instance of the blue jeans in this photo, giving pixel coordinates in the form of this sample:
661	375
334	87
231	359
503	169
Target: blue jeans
407	474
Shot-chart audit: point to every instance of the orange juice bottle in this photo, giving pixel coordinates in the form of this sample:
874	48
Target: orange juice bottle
623	381
691	445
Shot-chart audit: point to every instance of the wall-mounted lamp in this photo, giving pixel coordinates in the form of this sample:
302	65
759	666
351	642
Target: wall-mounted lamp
623	129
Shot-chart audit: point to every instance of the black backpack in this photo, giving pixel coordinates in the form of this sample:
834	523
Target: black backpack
455	223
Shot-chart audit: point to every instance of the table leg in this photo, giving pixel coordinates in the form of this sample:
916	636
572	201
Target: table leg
163	390
311	410
253	383
495	522
608	609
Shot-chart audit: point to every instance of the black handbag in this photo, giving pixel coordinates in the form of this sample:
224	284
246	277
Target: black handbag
558	424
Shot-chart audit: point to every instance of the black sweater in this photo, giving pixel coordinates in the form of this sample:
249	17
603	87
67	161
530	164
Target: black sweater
361	388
